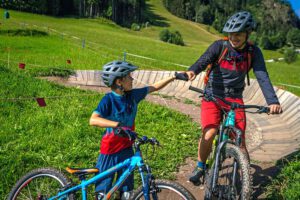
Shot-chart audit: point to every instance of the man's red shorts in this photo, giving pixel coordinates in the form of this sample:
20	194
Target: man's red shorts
211	114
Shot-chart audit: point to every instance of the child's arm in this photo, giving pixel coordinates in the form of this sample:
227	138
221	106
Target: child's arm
160	84
97	120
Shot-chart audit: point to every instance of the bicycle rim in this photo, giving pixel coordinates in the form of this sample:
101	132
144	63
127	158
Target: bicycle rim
166	190
38	185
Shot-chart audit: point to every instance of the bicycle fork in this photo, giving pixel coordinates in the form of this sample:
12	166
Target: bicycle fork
221	148
148	181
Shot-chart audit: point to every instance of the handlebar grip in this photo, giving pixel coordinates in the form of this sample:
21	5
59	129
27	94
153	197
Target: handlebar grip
181	76
264	110
196	89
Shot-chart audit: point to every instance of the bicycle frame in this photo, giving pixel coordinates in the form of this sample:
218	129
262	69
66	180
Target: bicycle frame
130	164
228	123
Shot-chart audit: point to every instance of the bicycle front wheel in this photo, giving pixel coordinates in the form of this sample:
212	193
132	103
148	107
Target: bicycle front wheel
166	190
234	179
39	184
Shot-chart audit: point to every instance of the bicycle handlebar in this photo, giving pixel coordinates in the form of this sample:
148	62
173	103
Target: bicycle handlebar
145	140
131	135
261	109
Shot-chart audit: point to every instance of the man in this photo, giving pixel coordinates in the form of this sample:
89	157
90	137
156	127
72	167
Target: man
231	61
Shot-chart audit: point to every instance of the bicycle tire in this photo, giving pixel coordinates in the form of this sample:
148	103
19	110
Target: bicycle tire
168	191
40	183
243	186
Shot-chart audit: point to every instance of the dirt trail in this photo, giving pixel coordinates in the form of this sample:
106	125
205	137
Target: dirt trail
262	171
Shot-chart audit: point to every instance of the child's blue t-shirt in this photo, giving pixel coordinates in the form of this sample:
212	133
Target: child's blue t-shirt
119	108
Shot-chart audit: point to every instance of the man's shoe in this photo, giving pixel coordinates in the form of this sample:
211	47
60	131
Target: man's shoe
197	175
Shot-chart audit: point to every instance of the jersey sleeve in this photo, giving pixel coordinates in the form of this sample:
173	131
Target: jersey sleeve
139	93
262	76
104	107
210	56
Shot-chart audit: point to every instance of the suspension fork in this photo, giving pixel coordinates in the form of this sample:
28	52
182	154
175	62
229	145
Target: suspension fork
238	143
220	148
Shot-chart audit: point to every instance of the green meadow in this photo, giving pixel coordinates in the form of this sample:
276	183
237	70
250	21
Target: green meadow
58	135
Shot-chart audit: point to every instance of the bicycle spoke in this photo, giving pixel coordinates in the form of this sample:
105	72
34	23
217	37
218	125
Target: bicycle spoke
28	189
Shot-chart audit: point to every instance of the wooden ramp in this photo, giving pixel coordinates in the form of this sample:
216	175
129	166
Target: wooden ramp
276	135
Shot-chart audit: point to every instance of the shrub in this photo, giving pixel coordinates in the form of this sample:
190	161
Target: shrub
164	35
170	37
265	43
290	55
135	27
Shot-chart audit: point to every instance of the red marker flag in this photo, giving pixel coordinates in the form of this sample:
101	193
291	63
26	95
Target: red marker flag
22	65
41	102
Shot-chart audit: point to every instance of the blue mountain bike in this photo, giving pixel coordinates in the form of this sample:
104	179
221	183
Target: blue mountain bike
228	174
50	184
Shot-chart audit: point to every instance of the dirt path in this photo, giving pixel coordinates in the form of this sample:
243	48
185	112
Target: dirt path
262	171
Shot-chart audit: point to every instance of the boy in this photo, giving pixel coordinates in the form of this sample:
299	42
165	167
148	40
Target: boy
118	109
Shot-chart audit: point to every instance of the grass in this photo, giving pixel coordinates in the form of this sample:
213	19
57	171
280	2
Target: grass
58	135
286	185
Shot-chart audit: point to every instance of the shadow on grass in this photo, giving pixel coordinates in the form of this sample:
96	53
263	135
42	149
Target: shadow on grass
23	32
263	174
153	18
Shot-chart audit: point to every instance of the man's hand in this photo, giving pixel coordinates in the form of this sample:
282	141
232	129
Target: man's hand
191	75
275	109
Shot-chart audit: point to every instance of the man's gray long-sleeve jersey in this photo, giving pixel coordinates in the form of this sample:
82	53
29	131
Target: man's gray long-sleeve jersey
227	79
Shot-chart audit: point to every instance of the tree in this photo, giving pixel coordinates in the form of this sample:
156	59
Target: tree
265	43
293	37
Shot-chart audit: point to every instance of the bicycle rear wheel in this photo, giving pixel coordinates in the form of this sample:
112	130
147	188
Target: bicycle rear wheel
166	190
231	185
39	184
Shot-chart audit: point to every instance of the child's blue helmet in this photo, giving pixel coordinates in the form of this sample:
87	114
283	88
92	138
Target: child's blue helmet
116	69
239	22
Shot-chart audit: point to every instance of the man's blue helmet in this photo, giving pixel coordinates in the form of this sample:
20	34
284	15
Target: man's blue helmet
239	22
115	69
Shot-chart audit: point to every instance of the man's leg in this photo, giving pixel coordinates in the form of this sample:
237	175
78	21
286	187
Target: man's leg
205	143
204	148
210	120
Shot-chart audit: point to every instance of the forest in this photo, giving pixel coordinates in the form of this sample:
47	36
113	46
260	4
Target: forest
273	17
122	12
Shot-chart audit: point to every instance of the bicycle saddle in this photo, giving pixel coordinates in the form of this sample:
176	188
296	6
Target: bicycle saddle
81	171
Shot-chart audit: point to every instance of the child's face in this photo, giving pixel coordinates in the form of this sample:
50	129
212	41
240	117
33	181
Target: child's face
237	40
126	82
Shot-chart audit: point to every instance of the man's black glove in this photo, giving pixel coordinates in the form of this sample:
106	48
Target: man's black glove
181	76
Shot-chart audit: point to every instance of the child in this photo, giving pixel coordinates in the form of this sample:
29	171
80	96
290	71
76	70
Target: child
118	109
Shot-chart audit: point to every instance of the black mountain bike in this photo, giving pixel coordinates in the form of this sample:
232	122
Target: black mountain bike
228	172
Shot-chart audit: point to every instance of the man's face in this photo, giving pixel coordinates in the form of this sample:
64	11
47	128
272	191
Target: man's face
238	39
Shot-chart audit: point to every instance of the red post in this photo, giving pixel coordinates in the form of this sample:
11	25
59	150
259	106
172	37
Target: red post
22	65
